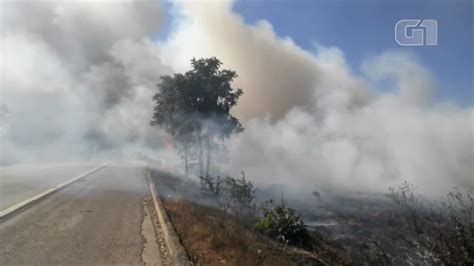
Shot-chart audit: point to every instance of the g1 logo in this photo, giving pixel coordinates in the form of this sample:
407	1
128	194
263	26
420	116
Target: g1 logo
416	32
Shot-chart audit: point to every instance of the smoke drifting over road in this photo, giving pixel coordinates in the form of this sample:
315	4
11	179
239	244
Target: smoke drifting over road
78	80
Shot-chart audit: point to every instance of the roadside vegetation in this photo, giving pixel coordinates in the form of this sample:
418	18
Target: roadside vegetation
194	108
276	221
228	227
284	224
412	230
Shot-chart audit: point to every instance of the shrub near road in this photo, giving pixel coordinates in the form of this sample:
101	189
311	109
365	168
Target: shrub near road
283	224
214	236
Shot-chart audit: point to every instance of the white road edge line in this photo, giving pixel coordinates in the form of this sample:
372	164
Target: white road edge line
24	203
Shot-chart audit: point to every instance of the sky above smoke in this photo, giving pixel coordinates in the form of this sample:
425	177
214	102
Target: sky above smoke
77	82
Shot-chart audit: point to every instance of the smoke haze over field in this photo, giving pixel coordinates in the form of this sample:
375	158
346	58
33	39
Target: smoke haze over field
77	82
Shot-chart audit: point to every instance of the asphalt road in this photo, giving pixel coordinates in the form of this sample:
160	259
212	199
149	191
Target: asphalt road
96	220
20	182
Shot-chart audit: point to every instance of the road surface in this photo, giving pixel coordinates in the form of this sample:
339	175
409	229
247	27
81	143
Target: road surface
99	219
20	182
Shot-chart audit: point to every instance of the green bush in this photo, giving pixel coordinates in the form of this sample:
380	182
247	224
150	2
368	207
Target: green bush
283	224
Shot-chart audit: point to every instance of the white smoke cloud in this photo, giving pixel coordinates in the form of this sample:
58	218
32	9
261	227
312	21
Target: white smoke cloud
310	122
275	73
74	75
78	79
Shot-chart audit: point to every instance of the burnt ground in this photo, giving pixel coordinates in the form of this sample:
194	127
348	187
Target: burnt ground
365	230
357	229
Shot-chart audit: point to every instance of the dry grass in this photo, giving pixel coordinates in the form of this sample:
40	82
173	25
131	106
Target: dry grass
213	237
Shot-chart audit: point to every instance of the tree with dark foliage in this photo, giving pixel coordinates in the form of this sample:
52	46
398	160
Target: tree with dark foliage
194	108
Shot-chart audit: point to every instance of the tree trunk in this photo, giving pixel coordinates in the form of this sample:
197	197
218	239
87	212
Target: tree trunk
208	159
200	154
186	165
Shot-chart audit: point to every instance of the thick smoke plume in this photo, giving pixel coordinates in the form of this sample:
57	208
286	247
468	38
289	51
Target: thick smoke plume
77	81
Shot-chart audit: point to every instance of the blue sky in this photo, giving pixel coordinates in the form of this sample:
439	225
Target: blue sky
365	28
